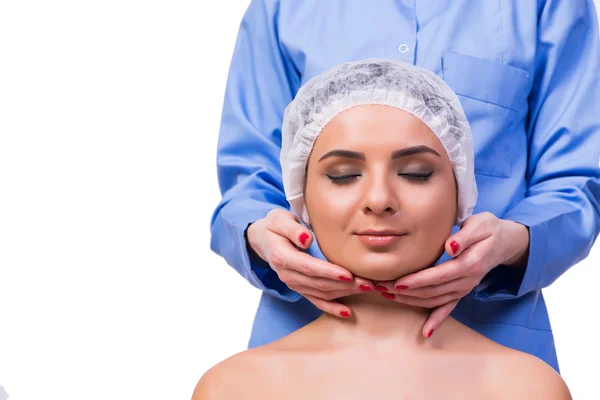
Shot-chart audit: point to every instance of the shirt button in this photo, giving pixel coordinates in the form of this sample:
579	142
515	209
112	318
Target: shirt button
403	48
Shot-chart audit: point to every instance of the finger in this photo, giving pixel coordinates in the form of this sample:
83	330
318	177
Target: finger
364	285
291	277
328	296
445	272
476	228
286	224
285	255
438	316
424	303
427	292
384	286
330	307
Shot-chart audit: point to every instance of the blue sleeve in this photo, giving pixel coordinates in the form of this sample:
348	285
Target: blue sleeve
261	83
562	209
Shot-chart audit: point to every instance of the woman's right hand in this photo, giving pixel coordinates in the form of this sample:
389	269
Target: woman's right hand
277	239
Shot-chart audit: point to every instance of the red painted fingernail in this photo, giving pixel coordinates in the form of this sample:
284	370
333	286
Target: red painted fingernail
380	288
303	238
387	295
345	278
430	333
345	314
454	246
401	287
365	288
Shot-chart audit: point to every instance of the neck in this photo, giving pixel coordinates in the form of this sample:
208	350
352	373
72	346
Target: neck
376	318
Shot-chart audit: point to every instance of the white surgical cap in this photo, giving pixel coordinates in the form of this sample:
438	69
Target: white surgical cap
376	81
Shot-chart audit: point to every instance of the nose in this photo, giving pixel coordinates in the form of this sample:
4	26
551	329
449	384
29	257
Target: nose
380	197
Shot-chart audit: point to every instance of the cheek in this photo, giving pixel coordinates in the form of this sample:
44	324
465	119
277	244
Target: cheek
327	203
433	209
330	209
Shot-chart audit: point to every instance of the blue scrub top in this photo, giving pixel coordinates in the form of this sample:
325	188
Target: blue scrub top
528	76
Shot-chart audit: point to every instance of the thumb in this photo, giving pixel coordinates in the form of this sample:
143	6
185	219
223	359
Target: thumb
305	238
469	234
287	225
453	244
458	242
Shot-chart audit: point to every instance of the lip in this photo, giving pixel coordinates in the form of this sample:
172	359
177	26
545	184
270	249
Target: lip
380	232
379	237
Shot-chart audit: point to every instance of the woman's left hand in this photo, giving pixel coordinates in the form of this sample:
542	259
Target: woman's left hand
483	243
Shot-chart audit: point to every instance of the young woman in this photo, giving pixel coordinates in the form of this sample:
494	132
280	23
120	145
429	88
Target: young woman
377	160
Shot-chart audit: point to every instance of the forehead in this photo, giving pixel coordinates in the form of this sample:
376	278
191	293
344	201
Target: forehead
377	128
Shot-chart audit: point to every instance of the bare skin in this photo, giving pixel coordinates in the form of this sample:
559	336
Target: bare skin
374	357
379	351
457	363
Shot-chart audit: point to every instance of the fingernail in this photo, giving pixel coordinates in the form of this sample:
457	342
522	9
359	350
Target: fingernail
401	287
380	288
365	288
303	238
345	278
454	246
345	314
430	333
387	295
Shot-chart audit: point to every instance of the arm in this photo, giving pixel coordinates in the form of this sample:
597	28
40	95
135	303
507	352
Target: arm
261	83
561	210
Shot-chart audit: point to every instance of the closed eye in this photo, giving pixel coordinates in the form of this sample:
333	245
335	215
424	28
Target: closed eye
342	179
417	177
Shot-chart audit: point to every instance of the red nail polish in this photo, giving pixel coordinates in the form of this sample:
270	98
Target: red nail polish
345	278
454	246
345	314
401	287
303	238
380	288
430	333
365	288
387	295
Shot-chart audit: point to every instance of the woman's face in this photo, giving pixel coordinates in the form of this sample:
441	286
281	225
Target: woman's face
380	192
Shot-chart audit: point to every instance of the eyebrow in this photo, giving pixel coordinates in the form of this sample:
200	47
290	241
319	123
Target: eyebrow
409	151
344	153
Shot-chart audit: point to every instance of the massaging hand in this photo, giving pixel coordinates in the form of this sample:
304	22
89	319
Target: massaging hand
277	239
482	243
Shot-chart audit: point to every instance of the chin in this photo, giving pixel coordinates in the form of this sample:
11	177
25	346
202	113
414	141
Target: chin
380	267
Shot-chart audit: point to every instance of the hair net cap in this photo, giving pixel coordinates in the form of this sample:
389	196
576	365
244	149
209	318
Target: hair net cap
376	81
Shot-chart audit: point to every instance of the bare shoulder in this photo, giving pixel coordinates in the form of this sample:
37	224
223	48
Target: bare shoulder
507	373
517	375
237	377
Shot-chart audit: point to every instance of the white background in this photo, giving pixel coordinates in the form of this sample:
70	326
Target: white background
109	114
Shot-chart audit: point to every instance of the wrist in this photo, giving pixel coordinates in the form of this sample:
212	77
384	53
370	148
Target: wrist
251	243
519	236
